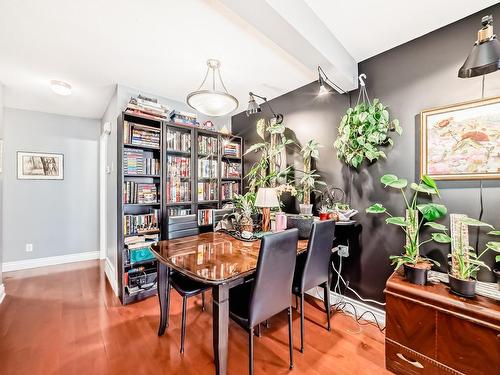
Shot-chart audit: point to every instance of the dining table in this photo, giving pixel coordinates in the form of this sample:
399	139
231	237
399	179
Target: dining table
217	259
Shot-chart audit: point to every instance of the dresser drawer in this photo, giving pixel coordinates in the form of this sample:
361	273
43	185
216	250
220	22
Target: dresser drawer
404	361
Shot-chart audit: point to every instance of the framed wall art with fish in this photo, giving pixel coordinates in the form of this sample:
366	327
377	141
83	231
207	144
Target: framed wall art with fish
461	141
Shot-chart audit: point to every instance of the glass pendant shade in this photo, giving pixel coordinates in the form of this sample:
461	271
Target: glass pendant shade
485	55
212	100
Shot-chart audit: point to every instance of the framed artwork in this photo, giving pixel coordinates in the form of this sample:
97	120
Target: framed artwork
40	166
461	141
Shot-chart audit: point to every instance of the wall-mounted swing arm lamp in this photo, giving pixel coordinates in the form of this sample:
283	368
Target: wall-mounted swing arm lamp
254	107
322	79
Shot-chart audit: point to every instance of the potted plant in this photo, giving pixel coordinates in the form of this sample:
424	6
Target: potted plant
247	212
465	263
308	181
415	265
324	213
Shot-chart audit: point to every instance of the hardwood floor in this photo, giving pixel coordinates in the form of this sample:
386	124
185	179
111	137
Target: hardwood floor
66	320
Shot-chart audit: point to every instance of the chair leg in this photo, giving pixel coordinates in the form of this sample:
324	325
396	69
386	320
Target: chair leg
168	306
250	351
202	301
326	289
183	327
290	336
266	323
296	302
257	329
302	322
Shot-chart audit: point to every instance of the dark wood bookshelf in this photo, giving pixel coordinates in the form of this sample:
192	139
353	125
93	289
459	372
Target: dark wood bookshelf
131	145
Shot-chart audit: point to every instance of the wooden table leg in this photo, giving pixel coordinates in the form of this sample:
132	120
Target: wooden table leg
220	296
163	285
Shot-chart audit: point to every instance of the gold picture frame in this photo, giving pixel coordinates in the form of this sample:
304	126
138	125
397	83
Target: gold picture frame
461	141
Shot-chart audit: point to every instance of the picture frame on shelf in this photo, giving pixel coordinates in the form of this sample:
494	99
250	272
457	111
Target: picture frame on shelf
40	166
461	141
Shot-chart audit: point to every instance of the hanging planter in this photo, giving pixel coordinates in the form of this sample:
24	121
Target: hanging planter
364	129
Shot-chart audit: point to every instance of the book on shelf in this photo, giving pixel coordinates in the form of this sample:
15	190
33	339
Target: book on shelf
231	149
141	223
229	190
179	211
135	162
207	145
151	238
147	107
178	191
139	193
230	170
205	217
141	137
183	118
207	191
178	140
178	166
207	168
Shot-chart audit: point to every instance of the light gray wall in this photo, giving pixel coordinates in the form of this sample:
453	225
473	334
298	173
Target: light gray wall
1	179
57	217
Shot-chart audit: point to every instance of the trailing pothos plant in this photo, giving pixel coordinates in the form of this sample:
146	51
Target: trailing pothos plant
265	172
362	131
411	224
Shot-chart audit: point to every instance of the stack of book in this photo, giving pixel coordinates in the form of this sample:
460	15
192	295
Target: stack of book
231	170
141	224
133	161
141	137
178	141
134	193
207	191
178	211
148	239
184	118
151	166
229	190
207	145
231	149
205	217
178	192
178	166
147	107
207	168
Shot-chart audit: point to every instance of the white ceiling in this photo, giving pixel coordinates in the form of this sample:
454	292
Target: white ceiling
161	46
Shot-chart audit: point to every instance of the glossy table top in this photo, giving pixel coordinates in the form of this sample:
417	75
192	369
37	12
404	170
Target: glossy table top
212	257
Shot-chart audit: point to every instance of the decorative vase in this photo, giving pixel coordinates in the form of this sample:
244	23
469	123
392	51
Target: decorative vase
305	209
280	218
324	216
415	275
462	288
302	223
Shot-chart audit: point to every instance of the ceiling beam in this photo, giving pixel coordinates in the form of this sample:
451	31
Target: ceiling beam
294	27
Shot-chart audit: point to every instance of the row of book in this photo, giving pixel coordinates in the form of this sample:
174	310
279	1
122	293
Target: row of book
230	170
207	191
178	191
147	107
147	138
179	211
135	162
205	217
132	241
228	190
207	168
183	118
141	224
178	166
139	193
207	145
231	149
178	141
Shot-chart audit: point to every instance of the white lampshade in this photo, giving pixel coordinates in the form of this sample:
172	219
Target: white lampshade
267	197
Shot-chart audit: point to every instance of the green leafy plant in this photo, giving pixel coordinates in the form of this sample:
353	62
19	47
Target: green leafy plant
245	204
411	224
362	130
464	262
309	180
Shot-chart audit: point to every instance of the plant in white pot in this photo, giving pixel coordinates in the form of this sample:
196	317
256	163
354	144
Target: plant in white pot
310	179
415	265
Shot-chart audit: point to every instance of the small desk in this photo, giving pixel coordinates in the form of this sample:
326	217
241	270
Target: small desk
214	258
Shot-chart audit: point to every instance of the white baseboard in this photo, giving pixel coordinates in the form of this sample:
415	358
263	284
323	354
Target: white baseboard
49	261
360	306
110	272
2	292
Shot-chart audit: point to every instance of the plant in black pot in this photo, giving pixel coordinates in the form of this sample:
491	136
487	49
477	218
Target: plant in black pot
415	265
464	261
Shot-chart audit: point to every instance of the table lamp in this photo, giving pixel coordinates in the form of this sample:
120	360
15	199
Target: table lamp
266	198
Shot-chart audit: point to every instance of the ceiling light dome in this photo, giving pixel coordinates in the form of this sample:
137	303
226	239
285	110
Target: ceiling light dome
60	87
212	100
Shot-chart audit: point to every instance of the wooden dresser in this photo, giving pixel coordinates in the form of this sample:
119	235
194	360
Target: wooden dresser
430	331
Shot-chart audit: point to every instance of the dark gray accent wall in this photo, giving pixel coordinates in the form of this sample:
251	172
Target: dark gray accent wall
418	75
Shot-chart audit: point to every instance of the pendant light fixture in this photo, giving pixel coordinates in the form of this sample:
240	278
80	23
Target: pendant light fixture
212	99
485	55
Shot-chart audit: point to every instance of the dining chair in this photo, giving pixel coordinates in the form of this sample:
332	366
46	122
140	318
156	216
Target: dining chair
270	291
313	268
186	288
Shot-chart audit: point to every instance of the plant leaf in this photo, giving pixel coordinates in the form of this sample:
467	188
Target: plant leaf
393	181
441	237
255	147
436	226
422	188
476	223
432	211
494	233
396	220
376	208
495	246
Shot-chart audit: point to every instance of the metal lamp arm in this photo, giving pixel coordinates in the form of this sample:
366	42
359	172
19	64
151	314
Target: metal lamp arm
279	117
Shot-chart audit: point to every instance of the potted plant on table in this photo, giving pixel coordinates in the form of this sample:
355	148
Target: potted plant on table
245	204
415	265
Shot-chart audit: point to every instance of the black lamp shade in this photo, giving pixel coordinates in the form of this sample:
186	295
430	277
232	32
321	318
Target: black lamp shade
483	59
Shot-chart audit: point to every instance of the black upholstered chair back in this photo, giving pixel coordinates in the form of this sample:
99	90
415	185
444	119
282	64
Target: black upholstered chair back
319	251
272	289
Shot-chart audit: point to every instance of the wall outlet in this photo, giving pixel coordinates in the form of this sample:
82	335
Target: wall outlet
343	251
29	247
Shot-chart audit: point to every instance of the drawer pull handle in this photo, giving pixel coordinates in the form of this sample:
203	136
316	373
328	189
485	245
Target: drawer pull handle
413	363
